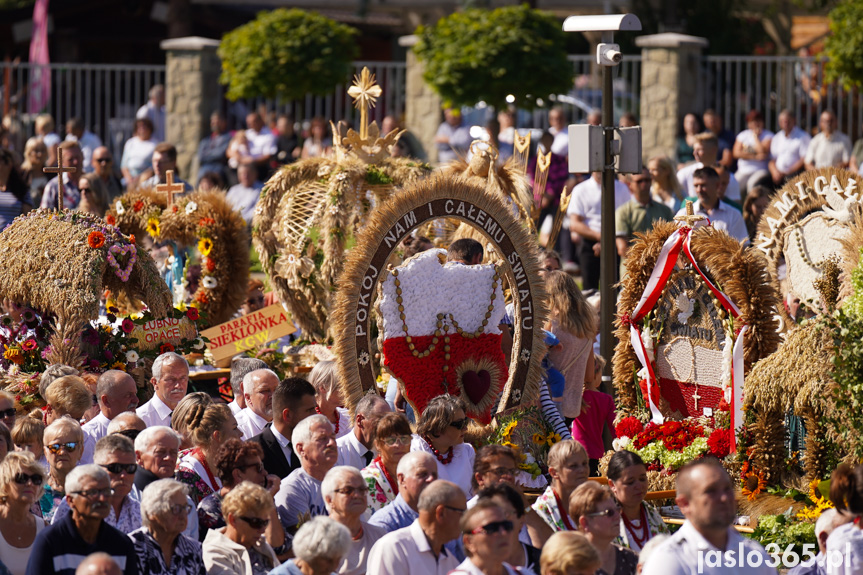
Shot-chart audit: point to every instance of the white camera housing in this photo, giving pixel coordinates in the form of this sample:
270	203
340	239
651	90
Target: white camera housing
608	54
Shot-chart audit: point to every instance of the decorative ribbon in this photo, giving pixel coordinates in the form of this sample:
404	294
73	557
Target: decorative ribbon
679	241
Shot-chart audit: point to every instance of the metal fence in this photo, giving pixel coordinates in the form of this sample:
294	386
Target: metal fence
733	85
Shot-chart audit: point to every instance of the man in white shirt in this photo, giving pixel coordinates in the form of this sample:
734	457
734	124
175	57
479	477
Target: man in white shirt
706	150
88	141
154	109
240	367
419	548
557	127
829	147
585	219
262	142
258	388
788	149
170	382
116	392
722	216
356	447
244	196
707	540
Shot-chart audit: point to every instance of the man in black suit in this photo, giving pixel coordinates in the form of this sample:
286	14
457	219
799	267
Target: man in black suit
293	401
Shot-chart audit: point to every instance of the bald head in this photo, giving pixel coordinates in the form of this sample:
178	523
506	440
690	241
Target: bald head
98	564
440	492
126	421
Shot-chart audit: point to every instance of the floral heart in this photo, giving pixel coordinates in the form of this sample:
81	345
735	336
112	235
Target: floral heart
476	385
118	250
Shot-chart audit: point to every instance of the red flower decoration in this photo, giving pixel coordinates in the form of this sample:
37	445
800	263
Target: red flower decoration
127	326
204	222
629	427
174	209
96	239
132	239
111	220
29	345
210	265
192	313
138	206
165	348
202	297
719	442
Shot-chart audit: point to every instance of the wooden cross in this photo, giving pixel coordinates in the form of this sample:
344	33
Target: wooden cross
170	187
59	170
691	217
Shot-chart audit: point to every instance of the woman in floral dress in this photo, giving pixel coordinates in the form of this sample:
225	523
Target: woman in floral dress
208	426
392	442
568	467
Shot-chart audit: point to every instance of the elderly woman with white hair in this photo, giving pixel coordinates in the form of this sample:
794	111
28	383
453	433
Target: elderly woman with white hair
240	547
319	547
328	396
160	544
345	495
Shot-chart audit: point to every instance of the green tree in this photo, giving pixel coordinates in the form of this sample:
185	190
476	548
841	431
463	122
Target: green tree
287	53
480	55
844	46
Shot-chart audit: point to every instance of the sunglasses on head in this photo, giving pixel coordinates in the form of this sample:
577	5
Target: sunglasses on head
494	527
6	413
22	479
56	447
459	424
255	522
118	468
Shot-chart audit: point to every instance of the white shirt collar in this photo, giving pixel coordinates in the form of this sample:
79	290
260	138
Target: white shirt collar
281	439
255	419
419	537
161	409
688	532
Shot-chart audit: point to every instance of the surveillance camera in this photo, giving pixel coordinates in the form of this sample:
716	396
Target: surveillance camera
608	55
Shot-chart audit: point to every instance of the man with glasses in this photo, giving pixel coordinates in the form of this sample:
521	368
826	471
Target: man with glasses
419	548
486	538
170	381
355	447
116	393
103	166
62	547
638	214
116	455
345	495
258	389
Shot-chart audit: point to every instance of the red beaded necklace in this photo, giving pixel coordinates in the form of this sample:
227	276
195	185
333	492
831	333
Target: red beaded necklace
645	528
445	459
359	535
338	419
393	484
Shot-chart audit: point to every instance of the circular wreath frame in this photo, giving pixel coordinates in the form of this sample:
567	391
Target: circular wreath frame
213	218
740	272
388	225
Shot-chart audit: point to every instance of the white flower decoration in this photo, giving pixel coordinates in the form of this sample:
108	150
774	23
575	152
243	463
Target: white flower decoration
191	207
620	443
647	340
342	176
525	355
685	306
334	210
324	171
119	207
363	358
199	344
13	369
132	356
209	282
642	373
516	395
725	380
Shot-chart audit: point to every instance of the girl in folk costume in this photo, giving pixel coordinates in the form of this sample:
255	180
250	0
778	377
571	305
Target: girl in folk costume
573	321
567	465
639	522
209	426
392	442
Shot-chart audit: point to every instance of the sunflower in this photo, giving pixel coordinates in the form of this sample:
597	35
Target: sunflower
753	485
119	365
552	438
153	227
205	246
509	427
538	438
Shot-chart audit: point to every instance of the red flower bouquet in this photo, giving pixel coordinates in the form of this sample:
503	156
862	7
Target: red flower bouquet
719	442
629	427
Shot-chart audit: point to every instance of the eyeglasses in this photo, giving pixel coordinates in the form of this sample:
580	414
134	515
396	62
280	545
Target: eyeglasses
103	160
118	468
259	467
351	490
501	471
56	447
181	509
94	493
255	522
87	189
22	479
397	440
459	424
604	513
458	510
494	527
7	413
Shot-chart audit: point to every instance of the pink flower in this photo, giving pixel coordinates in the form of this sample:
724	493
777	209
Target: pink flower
128	325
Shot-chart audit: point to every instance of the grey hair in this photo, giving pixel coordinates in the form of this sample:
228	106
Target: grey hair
107	380
118	421
167	357
437	493
334	477
52	372
303	431
324	376
650	547
411	459
321	537
73	480
156	498
242	366
367	404
146	437
112	444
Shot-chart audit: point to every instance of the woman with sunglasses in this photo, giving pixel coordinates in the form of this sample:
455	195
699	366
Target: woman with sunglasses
441	432
240	461
392	442
240	547
21	480
595	512
63	444
521	555
160	545
487	539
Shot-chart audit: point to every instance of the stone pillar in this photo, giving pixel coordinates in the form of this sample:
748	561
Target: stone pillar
191	95
422	103
670	72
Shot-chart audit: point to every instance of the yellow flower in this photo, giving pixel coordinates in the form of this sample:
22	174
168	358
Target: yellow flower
205	246
753	485
119	365
538	438
14	355
153	227
552	438
509	427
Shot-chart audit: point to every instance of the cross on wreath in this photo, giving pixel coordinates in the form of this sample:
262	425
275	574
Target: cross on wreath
169	187
691	217
59	170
